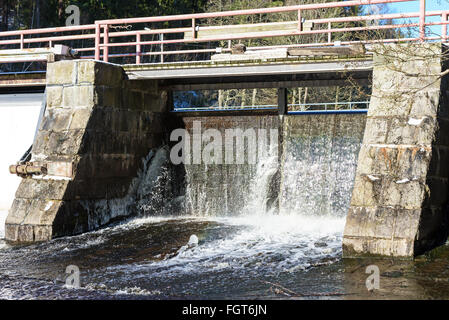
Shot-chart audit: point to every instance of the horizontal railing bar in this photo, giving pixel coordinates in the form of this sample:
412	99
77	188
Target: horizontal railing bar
328	112
187	29
316	44
271	106
378	17
47	39
247	12
105	35
47	30
260	35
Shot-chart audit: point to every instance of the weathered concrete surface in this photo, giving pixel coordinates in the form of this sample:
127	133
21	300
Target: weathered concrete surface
102	125
399	203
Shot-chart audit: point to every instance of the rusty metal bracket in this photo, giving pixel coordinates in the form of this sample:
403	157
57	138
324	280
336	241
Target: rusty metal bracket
27	170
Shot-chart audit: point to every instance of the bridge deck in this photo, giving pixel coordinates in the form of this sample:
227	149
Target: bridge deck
268	73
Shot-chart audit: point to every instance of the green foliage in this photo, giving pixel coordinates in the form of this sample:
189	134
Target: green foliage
24	14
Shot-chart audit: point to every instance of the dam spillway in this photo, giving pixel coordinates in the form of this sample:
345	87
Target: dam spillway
310	172
100	124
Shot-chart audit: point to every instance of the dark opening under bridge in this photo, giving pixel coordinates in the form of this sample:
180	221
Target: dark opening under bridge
101	118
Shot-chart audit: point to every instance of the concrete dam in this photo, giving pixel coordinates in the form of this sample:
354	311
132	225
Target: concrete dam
103	151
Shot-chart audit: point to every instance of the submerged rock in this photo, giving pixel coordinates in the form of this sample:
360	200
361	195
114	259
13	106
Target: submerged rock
193	241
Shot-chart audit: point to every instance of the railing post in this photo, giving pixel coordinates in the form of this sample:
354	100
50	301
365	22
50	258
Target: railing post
422	20
329	35
138	49
106	41
97	41
162	47
282	101
193	28
299	20
22	41
444	31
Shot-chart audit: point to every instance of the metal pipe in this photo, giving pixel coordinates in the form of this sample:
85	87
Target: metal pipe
162	47
106	42
316	112
138	49
265	35
97	41
250	11
422	20
422	14
47	30
27	170
444	26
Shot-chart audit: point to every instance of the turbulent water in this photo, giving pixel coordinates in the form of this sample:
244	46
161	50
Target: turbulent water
3	215
277	237
150	258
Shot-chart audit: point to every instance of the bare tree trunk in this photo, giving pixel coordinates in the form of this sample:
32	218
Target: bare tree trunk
5	15
220	98
306	92
253	101
337	93
293	96
38	14
60	10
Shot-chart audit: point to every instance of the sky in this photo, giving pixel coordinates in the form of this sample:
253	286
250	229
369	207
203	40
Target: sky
413	6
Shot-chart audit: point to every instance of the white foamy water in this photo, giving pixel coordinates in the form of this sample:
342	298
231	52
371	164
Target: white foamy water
267	244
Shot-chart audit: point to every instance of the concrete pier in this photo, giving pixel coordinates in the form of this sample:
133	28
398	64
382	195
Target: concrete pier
97	127
399	204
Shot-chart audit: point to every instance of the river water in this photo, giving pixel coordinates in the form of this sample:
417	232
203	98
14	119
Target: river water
293	252
239	258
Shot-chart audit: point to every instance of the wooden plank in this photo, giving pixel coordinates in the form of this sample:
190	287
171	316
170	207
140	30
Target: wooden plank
247	30
33	54
355	50
22	79
266	84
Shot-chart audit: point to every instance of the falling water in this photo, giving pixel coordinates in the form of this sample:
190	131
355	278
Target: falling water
319	164
269	222
312	175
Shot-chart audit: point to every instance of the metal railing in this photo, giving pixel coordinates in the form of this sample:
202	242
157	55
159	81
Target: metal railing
100	33
322	107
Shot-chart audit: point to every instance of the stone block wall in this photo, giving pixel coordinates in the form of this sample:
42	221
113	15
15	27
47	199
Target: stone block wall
100	125
399	202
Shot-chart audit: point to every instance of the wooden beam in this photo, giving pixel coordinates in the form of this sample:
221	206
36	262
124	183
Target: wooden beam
22	79
247	29
267	84
356	50
35	54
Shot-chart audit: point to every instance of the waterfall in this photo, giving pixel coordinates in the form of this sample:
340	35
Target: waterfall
310	174
319	164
